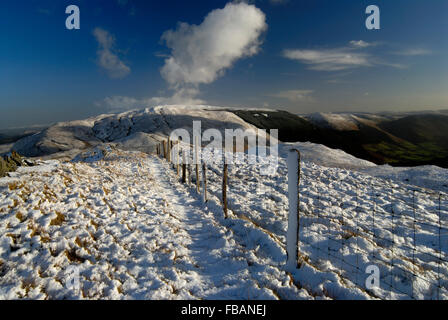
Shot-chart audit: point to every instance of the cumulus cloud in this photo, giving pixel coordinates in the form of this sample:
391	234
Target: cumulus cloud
329	59
202	53
106	56
294	95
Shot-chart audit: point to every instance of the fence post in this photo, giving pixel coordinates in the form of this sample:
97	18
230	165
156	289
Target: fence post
196	152
204	182
176	152
189	174
168	150
292	240
224	189
184	168
164	149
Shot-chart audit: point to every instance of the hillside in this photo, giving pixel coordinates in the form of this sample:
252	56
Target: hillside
395	139
133	130
387	138
133	231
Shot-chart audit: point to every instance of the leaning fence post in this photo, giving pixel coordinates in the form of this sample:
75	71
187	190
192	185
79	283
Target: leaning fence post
224	189
292	240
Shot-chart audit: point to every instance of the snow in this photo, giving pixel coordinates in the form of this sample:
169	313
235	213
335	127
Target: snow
338	121
136	130
429	177
135	232
320	154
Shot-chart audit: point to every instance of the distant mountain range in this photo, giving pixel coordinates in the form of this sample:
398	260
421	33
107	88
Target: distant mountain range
399	139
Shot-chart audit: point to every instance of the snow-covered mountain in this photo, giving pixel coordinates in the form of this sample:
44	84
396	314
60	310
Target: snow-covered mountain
136	130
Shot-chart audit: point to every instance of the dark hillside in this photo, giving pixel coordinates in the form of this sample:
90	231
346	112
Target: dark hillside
409	141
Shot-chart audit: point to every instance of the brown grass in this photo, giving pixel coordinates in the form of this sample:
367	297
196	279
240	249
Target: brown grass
14	237
72	256
94	224
20	216
39	231
60	218
15	185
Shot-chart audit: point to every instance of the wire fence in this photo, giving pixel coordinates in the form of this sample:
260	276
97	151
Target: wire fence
398	228
350	225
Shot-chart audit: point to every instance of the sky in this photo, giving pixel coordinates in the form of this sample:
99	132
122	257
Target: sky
297	55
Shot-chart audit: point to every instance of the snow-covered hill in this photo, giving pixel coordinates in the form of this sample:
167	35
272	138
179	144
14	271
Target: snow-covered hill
129	129
134	231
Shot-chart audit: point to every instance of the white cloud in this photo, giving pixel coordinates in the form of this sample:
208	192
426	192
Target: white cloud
123	103
413	52
361	44
201	53
295	95
107	58
329	59
343	58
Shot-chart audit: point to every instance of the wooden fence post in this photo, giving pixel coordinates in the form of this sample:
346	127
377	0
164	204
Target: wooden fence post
177	157
196	152
164	149
224	189
189	174
292	237
204	182
168	150
184	173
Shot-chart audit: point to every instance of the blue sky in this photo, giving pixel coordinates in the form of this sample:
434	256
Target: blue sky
301	56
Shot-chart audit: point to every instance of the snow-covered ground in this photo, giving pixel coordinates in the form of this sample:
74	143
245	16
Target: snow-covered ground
135	232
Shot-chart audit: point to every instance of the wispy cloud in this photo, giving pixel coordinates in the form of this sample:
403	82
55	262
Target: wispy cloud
361	44
352	56
294	95
107	57
413	52
123	103
329	59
